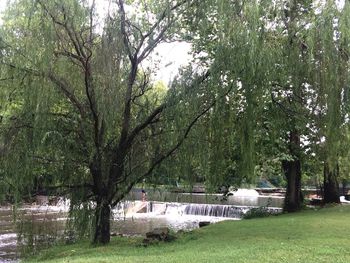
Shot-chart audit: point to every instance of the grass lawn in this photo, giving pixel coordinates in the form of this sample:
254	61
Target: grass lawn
308	236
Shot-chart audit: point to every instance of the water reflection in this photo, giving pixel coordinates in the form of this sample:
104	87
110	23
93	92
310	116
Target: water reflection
35	223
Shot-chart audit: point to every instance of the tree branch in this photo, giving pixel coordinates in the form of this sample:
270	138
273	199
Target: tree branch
170	151
152	44
60	83
143	125
126	40
64	87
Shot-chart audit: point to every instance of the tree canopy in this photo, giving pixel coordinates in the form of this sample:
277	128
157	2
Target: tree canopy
266	95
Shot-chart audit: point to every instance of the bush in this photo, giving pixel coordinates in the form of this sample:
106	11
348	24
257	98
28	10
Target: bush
262	211
257	212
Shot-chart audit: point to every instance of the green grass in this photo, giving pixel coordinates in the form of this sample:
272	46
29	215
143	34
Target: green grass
308	236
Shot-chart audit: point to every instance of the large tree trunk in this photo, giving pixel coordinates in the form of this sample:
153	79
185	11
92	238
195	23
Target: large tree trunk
292	169
344	189
330	184
102	223
293	199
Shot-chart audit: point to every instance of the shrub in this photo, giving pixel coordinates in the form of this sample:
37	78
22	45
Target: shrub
262	211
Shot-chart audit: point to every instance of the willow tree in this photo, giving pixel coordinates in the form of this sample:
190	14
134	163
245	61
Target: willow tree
256	46
260	46
315	79
271	68
289	91
231	37
84	92
330	44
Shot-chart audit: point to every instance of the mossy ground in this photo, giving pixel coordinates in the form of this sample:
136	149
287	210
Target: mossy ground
308	236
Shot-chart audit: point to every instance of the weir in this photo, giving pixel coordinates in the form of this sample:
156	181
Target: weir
142	208
242	197
215	210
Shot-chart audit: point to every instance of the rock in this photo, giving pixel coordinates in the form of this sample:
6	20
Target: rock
204	223
316	201
161	234
42	200
53	200
70	238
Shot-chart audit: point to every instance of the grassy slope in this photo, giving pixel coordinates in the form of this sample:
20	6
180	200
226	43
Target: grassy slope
310	236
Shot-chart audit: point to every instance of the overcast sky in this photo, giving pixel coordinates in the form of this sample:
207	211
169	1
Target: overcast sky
2	6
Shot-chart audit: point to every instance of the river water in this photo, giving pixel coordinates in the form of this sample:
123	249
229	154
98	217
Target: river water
31	221
43	224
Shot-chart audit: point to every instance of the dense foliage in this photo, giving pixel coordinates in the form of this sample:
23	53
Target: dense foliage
265	97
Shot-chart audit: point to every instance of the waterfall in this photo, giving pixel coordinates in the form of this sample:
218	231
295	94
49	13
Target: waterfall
174	209
215	210
179	209
126	207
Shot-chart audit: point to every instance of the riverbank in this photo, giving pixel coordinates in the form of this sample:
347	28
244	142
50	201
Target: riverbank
308	236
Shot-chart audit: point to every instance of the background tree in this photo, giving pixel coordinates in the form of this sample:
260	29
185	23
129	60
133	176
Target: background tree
231	38
267	51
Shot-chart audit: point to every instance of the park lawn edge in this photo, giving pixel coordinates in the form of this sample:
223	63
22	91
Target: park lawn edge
320	235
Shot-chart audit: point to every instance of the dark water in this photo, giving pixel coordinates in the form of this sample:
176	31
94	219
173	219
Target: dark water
42	223
7	237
